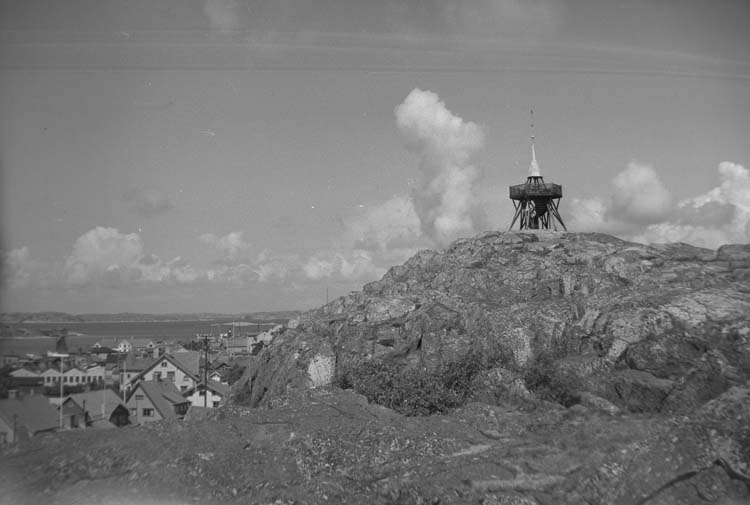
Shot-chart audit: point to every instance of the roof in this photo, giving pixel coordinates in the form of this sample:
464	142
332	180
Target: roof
163	395
216	387
102	350
71	407
135	364
169	358
190	360
93	401
33	412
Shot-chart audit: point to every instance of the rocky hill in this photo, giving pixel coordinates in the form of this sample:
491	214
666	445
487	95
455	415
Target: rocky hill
650	329
580	369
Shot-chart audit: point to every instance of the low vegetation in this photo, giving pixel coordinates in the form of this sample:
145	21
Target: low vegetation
413	390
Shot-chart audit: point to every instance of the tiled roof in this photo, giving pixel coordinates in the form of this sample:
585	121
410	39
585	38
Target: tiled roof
93	401
216	387
33	412
135	364
190	360
169	358
70	406
163	394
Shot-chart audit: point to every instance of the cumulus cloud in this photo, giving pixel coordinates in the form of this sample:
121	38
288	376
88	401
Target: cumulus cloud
389	225
108	257
148	202
355	265
640	196
18	268
444	199
720	215
233	244
642	210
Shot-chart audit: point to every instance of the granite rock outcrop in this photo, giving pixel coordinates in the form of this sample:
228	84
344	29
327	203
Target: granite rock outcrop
661	328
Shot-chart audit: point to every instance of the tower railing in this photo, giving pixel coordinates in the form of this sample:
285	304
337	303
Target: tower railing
523	191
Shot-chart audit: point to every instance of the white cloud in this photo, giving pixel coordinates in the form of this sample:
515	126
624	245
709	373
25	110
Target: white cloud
719	216
444	199
108	257
391	224
18	268
643	210
354	265
640	197
232	244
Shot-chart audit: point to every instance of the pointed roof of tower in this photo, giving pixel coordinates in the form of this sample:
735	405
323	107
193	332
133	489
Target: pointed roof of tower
533	166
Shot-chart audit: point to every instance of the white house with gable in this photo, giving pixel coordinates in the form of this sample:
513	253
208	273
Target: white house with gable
167	369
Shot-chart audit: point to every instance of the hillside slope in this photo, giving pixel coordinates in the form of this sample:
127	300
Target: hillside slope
650	346
662	328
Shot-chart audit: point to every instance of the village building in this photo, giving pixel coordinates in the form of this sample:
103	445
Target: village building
103	409
212	396
130	368
190	360
156	400
167	368
25	417
73	415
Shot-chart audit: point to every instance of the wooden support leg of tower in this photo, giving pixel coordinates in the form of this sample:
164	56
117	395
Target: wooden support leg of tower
515	215
556	213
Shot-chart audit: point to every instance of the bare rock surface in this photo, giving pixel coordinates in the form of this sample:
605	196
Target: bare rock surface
331	446
650	329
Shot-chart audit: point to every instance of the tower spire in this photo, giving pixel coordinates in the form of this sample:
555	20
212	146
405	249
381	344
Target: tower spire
534	166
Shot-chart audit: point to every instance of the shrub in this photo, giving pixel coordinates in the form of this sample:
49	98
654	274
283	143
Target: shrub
416	391
550	383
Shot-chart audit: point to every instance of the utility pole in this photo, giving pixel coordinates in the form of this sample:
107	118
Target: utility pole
205	371
61	356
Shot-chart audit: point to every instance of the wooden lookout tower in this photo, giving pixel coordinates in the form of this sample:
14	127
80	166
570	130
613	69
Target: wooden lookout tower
536	202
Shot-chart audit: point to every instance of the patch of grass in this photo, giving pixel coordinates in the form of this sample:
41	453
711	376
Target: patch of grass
415	391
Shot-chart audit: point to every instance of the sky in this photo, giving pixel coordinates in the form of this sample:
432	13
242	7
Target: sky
246	155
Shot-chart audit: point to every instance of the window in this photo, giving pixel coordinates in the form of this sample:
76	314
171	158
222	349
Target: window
148	412
139	397
183	388
133	412
157	376
170	376
77	378
163	363
216	404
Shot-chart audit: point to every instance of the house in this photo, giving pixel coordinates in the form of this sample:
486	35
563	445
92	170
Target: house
156	400
212	396
22	418
169	369
104	409
215	376
238	345
73	415
190	360
132	366
25	372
